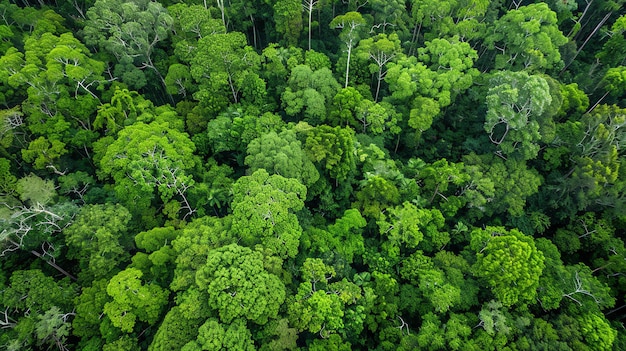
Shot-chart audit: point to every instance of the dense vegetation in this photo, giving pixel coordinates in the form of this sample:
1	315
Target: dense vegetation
315	174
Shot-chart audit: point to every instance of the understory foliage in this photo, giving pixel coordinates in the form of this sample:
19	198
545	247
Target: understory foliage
312	175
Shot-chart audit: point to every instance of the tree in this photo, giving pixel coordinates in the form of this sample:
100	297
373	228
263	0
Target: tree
614	49
35	308
89	306
178	80
448	18
527	38
583	289
406	227
342	240
220	65
98	240
283	336
213	335
380	49
376	194
516	103
191	23
149	157
509	262
347	231
33	291
8	182
614	80
416	90
234	130
350	33
391	14
309	93
44	153
192	247
53	328
125	108
452	335
495	322
133	300
263	207
453	60
239	286
319	305
34	226
457	271
431	284
157	257
288	18
309	6
331	148
130	32
378	119
586	329
443	183
351	109
593	167
175	331
61	81
596	331
281	154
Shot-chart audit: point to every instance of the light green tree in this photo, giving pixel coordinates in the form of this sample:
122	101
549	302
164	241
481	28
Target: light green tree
509	262
149	157
309	93
319	306
380	49
133	300
263	207
239	286
288	18
220	65
281	154
516	103
350	25
527	38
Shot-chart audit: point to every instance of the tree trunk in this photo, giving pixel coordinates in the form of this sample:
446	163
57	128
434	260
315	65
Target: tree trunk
380	73
348	64
587	40
54	265
310	9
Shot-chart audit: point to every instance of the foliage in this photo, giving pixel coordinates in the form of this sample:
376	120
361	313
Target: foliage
434	175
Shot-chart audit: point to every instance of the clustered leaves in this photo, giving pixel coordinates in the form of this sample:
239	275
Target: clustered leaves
312	175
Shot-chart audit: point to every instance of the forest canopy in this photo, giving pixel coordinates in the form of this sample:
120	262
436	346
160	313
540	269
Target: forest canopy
312	175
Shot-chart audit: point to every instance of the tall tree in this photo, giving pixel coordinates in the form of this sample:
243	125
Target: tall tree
309	93
288	18
527	38
221	64
309	6
97	238
380	49
516	105
350	25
